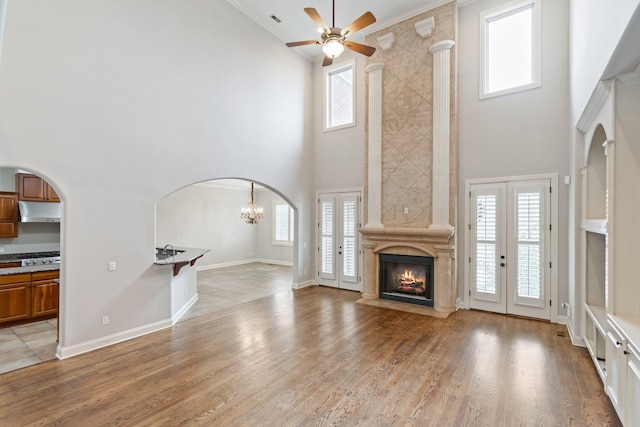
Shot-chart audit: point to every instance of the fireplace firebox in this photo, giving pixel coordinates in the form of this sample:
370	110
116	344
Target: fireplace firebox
406	278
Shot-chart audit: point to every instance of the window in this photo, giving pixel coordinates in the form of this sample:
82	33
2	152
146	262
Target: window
340	96
510	39
282	223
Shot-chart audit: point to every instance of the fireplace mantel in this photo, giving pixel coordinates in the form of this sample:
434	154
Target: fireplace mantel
409	235
437	243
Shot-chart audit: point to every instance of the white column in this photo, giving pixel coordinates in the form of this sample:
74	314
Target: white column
374	176
441	128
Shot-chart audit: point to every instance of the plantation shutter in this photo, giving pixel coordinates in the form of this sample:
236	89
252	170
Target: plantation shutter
485	245
349	239
327	231
282	227
529	245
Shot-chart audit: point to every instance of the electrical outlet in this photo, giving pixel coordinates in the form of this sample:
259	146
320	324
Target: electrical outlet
112	266
105	319
406	210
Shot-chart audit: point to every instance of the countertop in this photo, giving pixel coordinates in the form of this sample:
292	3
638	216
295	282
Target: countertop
188	255
29	269
8	258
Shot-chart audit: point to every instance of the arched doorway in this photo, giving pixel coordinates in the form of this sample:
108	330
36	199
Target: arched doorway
246	261
30	273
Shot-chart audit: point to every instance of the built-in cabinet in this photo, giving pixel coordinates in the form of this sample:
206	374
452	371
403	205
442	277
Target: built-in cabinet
27	296
35	189
610	241
8	214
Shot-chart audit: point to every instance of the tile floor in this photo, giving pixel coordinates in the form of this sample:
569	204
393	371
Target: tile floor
26	345
33	343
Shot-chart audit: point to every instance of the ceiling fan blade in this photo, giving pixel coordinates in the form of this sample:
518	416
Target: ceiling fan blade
315	17
327	61
360	48
294	44
360	23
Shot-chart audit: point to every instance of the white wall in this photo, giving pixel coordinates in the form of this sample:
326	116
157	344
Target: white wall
339	154
596	29
518	134
207	216
265	249
120	103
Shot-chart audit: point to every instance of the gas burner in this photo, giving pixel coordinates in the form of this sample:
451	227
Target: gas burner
40	261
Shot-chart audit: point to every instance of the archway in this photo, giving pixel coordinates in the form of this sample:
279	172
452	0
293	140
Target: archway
245	261
31	273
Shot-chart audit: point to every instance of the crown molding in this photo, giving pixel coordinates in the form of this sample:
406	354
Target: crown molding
597	100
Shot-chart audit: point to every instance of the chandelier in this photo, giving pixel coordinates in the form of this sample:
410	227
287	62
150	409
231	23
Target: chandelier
251	214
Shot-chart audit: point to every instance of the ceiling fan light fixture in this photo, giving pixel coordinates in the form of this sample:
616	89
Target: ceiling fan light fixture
333	48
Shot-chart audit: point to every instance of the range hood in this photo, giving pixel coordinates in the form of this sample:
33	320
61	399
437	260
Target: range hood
39	211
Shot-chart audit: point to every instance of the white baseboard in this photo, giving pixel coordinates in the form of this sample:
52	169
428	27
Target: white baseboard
76	349
242	262
575	339
303	284
274	262
176	317
563	320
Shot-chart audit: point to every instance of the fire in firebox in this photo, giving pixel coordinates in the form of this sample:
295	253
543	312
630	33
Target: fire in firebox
407	283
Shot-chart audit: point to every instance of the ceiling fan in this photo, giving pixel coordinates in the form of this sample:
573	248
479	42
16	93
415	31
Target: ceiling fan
333	39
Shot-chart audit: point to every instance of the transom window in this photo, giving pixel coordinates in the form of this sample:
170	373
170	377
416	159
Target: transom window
510	42
340	96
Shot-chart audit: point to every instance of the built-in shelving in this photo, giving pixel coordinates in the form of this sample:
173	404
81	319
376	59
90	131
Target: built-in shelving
610	242
596	321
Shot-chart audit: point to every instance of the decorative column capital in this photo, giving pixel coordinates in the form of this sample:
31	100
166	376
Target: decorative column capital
444	44
425	27
374	67
386	41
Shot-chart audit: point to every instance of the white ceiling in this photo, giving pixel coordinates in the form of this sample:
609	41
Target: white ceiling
297	26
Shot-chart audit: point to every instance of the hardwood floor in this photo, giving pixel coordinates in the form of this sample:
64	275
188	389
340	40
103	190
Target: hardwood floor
315	357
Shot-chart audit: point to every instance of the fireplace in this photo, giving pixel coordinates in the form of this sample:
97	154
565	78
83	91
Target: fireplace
406	278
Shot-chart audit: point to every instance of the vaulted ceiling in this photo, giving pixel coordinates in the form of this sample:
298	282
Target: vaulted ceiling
295	25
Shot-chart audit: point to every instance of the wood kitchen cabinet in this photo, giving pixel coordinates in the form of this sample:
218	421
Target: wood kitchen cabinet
27	296
35	189
8	214
44	293
15	297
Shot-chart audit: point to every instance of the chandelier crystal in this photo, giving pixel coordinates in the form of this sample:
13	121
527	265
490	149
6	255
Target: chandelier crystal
252	213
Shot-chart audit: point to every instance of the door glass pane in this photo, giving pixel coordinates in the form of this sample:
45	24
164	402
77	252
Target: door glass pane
326	237
486	243
529	245
349	238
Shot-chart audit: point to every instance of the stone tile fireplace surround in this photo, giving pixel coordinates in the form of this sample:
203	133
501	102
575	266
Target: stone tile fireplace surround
412	153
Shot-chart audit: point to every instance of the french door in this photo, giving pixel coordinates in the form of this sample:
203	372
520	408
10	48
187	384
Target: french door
338	240
509	247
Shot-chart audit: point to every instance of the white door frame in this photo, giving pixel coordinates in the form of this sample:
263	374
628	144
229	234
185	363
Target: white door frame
553	256
320	193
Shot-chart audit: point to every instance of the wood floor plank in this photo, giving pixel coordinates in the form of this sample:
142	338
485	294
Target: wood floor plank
316	357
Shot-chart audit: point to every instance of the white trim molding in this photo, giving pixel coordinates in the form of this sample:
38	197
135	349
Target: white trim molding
595	104
87	346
